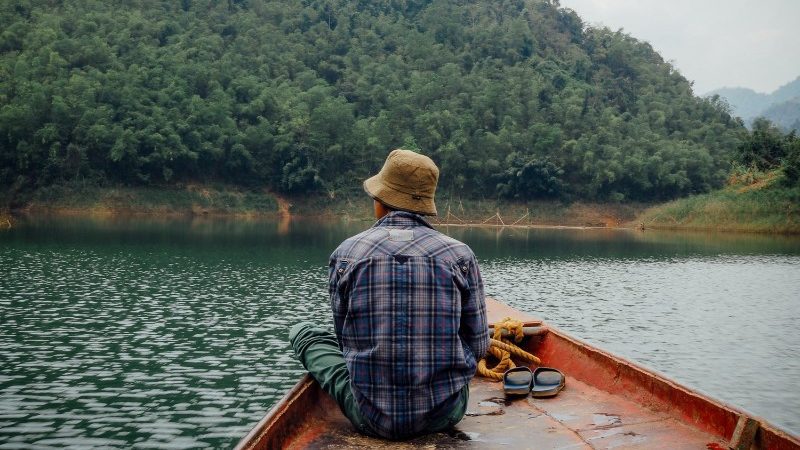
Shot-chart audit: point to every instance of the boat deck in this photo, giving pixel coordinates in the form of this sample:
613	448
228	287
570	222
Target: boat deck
579	417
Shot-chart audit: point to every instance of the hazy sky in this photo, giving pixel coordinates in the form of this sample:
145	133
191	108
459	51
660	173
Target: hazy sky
715	43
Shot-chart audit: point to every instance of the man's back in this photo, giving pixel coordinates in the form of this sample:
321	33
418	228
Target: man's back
408	312
409	315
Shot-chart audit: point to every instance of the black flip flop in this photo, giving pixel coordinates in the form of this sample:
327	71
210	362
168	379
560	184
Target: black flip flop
517	381
547	382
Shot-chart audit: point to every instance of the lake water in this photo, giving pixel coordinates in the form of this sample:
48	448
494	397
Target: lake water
136	333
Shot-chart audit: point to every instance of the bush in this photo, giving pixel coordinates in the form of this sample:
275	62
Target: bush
529	178
791	164
764	147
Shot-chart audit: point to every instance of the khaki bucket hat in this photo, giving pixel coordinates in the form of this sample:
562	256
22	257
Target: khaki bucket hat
406	182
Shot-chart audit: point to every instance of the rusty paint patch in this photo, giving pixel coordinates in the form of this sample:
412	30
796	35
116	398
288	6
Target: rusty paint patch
496	412
606	420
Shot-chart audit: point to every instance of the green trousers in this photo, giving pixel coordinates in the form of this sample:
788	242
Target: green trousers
318	351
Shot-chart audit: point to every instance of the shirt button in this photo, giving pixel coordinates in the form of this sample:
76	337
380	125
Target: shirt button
340	270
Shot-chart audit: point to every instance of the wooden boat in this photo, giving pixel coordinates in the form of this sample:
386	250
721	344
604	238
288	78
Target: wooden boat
608	402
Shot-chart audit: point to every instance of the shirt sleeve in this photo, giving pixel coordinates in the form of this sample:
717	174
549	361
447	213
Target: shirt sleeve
338	304
474	327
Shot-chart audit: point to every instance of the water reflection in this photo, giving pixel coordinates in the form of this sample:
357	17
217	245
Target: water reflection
129	332
543	243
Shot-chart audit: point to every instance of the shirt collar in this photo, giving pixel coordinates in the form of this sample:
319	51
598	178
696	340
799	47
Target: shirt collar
402	219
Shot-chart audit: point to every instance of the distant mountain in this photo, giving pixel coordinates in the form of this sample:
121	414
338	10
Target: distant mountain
786	114
788	91
746	103
781	107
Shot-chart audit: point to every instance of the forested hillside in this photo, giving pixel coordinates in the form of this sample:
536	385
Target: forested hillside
513	99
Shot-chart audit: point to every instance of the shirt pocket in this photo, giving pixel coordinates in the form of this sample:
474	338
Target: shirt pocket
338	275
461	268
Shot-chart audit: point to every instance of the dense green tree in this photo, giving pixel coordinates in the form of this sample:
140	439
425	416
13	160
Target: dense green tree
527	178
765	146
512	98
791	164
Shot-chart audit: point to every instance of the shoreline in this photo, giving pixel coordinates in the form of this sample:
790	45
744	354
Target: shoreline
7	219
192	200
719	211
100	212
473	213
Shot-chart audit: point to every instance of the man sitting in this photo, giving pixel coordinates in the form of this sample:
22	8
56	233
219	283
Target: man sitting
408	311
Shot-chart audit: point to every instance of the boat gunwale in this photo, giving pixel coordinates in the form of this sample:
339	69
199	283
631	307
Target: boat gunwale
765	426
277	415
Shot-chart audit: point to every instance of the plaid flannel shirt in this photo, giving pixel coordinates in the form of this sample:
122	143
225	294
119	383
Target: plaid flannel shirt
410	316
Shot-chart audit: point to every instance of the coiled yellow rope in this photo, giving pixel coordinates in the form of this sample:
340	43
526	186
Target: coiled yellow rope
502	349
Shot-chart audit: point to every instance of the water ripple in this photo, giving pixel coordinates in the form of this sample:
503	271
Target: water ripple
174	336
119	350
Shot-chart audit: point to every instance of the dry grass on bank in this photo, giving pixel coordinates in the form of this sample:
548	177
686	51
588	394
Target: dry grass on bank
185	200
753	204
6	222
199	200
756	204
357	206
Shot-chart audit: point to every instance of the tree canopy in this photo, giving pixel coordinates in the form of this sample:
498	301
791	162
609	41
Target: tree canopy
511	98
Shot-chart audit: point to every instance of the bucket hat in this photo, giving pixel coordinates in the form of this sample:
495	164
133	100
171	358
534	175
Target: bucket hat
406	182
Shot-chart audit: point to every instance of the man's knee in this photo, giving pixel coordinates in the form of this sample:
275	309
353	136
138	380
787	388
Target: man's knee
297	330
305	334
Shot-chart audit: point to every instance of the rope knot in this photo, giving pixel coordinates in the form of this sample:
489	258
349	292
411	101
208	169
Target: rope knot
512	326
502	349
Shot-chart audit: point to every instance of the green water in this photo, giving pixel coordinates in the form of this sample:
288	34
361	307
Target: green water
137	333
